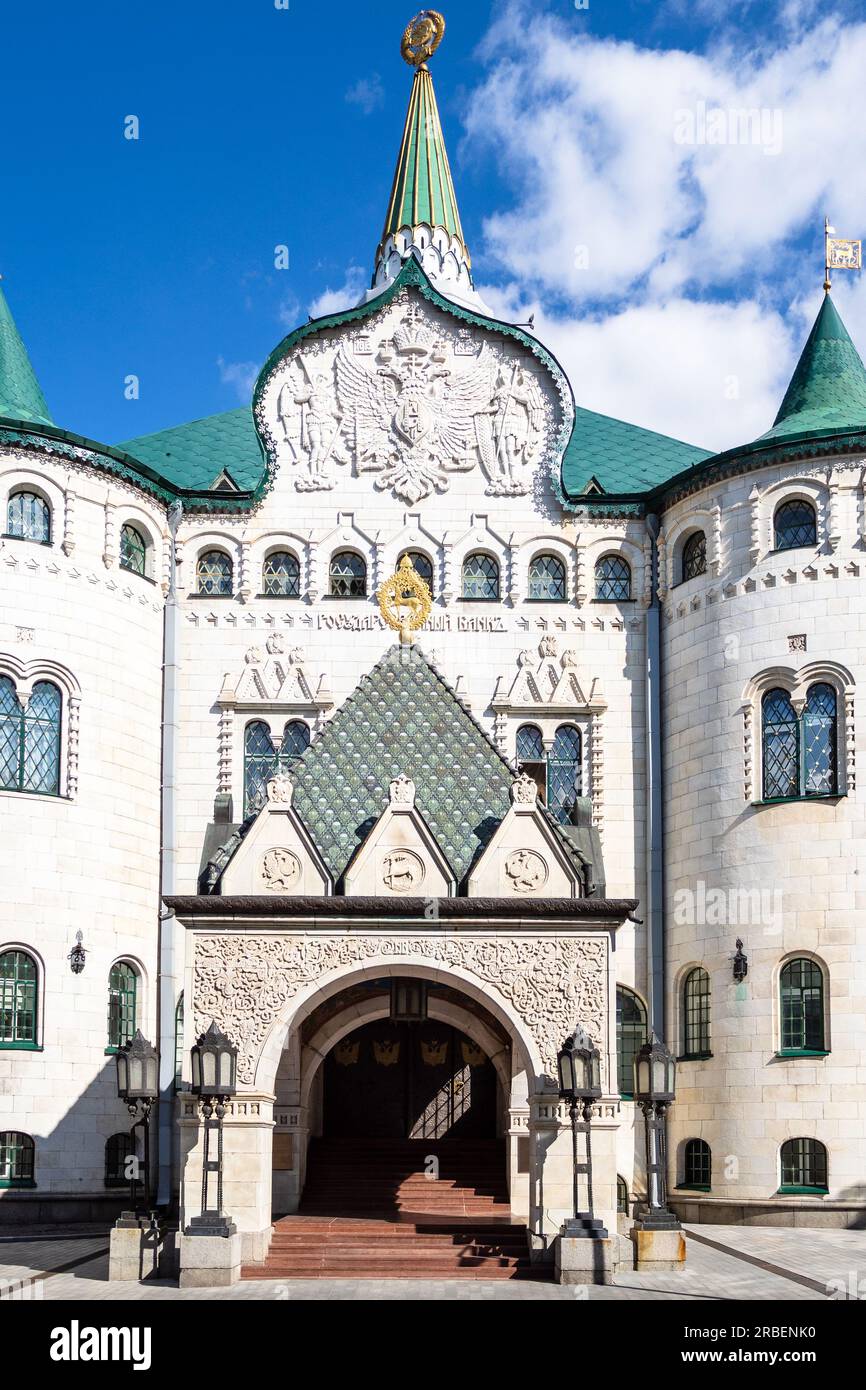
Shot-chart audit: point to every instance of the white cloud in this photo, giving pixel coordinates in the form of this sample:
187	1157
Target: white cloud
345	297
240	375
368	93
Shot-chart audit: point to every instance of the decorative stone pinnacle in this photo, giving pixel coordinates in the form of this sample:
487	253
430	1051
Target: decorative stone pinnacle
280	790
524	793
402	794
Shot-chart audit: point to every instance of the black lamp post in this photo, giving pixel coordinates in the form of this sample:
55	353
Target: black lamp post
138	1086
654	1091
214	1081
579	1067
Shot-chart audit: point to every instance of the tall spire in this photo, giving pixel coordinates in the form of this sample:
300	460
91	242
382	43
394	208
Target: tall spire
422	211
21	396
828	389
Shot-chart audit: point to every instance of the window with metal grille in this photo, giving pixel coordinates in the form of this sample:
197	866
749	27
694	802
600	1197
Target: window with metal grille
631	1034
621	1195
281	575
17	1159
122	992
30	739
532	757
421	564
118	1149
547	579
804	1166
696	1014
694	559
564	772
781	746
800	754
697	1164
261	760
612	579
19	999
348	575
214	574
480	577
794	525
28	518
133	549
801	1006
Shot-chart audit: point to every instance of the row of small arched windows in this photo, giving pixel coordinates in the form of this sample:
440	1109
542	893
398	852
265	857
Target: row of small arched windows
795	525
19	1002
18	1159
28	518
802	1024
802	1166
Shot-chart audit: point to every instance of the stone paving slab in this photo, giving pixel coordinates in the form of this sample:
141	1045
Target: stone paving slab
823	1257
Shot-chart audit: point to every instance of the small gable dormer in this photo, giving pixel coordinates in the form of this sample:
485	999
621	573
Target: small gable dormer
526	858
276	856
400	857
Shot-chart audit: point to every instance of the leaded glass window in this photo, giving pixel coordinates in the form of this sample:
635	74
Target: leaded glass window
30	739
695	556
118	1148
698	1164
133	549
547	579
532	757
214	574
819	741
348	575
261	760
612	579
28	518
631	1035
281	575
804	1165
178	1043
564	772
19	984
696	1014
801	1001
421	564
480	577
122	991
795	525
781	746
17	1159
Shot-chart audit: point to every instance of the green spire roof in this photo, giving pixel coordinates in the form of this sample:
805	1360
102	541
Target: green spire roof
21	396
827	393
423	190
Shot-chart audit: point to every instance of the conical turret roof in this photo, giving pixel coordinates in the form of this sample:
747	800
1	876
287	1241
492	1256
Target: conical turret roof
423	190
827	392
21	396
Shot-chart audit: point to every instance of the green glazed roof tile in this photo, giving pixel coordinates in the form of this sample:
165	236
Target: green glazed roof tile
828	388
621	458
21	396
193	456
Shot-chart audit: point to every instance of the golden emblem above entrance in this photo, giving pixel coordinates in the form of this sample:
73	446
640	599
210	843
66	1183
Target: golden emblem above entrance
405	600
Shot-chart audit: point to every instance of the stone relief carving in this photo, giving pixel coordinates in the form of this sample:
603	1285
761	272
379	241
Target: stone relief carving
245	982
526	871
402	871
280	871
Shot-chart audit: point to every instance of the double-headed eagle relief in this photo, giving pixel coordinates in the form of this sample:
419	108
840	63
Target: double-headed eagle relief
412	408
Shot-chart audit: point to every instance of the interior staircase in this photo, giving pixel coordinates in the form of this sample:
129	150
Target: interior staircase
370	1211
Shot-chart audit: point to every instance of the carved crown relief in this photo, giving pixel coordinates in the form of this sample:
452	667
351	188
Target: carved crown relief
411	400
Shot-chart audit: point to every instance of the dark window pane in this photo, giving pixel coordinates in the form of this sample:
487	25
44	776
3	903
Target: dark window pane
781	746
214	574
802	1005
28	517
819	742
133	550
480	577
348	576
695	556
698	1164
11	720
794	525
281	575
612	579
564	773
122	984
17	1159
696	1013
630	1036
547	578
804	1164
18	984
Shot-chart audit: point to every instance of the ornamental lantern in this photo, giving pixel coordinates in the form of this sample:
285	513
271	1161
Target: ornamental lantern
654	1074
214	1064
578	1064
137	1071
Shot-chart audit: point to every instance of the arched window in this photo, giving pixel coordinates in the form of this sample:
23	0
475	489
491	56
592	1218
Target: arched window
564	773
819	741
804	1166
19	998
694	559
214	573
696	1014
348	575
621	1195
122	1004
281	575
30	739
794	525
801	1006
118	1149
612	579
17	1159
630	1037
421	564
261	759
547	579
178	1043
28	518
532	757
480	577
133	549
781	746
697	1165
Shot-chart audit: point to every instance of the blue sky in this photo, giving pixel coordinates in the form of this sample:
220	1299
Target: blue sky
261	126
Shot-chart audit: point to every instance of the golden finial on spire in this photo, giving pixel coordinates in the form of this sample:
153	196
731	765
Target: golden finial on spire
422	37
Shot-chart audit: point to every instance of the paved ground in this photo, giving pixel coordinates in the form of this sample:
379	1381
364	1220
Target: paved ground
724	1262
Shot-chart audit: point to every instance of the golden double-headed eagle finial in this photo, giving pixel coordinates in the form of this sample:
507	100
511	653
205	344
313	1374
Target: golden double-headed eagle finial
405	600
422	37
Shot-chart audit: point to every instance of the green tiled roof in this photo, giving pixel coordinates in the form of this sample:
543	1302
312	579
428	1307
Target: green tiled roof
191	457
21	396
828	389
402	718
621	458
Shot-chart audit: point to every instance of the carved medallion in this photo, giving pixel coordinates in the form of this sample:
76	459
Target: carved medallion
280	871
525	871
402	871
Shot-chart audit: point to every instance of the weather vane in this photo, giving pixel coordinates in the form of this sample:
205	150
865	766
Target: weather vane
422	37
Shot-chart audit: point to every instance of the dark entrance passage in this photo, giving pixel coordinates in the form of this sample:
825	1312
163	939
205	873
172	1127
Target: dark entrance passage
408	1081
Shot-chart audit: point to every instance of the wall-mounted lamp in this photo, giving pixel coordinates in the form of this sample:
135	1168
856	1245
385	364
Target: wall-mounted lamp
741	963
77	954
